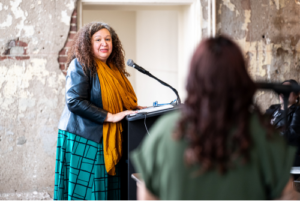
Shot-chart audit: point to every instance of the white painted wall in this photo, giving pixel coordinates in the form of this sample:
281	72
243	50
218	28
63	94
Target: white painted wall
157	45
160	38
189	37
149	37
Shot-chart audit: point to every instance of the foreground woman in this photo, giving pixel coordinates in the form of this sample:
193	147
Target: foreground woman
89	144
217	147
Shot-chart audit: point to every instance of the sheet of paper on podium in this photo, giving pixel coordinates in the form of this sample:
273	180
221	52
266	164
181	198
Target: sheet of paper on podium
153	109
295	170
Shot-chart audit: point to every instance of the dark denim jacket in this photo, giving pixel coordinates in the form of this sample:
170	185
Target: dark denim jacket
83	114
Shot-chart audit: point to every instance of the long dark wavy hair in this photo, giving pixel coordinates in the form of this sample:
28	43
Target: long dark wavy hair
220	96
82	48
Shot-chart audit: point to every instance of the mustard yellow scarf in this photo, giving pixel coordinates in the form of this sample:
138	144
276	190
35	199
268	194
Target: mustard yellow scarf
117	96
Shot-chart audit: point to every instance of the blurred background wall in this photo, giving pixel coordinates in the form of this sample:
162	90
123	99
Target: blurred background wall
268	33
35	36
31	94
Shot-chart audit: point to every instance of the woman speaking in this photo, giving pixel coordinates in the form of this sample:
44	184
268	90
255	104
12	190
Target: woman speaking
89	144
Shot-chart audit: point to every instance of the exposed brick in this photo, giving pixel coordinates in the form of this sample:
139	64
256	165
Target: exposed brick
17	57
3	57
71	35
62	59
62	52
12	44
74	20
21	43
74	13
62	67
67	50
22	57
69	43
73	28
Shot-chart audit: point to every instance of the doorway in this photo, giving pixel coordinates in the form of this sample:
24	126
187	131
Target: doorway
159	36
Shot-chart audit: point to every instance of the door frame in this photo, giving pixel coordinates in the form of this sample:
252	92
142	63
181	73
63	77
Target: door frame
191	31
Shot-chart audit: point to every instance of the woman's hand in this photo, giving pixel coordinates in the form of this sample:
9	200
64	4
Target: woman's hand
119	116
143	193
289	193
140	107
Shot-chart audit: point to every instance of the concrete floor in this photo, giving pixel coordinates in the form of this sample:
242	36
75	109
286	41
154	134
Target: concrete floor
27	196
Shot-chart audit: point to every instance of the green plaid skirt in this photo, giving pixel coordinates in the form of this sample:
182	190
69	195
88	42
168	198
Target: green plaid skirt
80	172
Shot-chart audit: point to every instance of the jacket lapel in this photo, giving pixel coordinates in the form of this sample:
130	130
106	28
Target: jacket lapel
281	116
278	117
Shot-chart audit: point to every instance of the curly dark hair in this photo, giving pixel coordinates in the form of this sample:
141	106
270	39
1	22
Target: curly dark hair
220	96
83	51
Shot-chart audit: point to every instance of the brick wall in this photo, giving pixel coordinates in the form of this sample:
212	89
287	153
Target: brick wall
15	49
63	54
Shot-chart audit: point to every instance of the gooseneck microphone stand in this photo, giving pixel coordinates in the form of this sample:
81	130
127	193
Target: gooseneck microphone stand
142	70
165	84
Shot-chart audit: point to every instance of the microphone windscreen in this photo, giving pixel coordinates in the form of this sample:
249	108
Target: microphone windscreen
130	62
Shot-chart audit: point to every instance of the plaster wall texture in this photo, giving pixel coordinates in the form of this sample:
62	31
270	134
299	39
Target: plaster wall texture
31	94
268	33
32	85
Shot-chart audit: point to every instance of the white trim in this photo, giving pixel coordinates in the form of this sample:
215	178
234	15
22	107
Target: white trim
209	18
197	22
212	23
213	7
79	14
193	3
139	2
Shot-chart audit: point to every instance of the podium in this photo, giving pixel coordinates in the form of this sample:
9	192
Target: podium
134	131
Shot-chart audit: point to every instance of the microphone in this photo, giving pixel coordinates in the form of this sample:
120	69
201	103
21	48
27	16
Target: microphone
134	65
142	70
